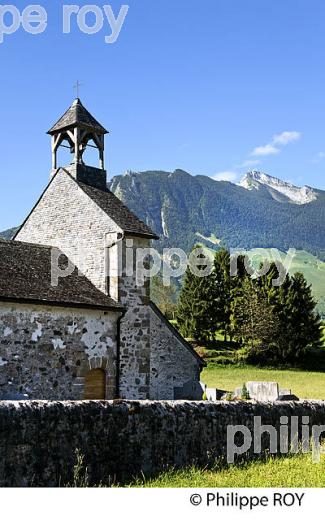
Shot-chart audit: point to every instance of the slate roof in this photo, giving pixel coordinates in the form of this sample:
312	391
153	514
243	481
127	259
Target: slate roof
120	213
25	276
77	115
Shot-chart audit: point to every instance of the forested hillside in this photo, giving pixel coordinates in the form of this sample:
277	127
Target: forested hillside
179	207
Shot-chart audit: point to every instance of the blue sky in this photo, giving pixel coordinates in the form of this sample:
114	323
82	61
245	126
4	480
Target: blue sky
214	87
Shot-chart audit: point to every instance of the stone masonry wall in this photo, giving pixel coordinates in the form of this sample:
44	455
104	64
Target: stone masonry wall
135	326
171	364
45	352
38	440
67	218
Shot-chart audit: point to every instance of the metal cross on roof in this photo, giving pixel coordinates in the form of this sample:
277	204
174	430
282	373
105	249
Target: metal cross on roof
76	87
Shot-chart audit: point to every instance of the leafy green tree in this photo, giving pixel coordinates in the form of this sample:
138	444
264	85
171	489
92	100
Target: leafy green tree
254	322
164	297
186	308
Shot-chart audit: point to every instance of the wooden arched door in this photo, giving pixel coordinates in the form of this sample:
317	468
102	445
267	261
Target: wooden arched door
95	385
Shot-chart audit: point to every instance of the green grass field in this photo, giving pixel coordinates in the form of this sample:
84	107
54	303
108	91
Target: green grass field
292	471
306	385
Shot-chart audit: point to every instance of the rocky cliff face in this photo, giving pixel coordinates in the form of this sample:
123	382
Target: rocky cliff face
279	190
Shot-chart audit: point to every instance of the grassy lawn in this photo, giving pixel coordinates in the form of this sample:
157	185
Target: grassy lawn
309	385
294	471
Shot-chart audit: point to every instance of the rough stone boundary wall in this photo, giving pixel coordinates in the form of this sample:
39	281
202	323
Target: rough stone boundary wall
38	439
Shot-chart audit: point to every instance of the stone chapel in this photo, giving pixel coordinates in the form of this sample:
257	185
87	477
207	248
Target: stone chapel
75	323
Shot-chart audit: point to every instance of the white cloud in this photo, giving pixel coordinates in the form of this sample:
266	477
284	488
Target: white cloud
286	138
225	176
268	149
274	147
278	140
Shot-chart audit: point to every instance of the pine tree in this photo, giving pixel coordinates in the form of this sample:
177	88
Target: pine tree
222	291
236	294
275	283
196	308
302	324
294	307
204	312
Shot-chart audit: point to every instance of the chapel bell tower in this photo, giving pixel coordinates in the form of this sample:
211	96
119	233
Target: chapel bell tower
76	130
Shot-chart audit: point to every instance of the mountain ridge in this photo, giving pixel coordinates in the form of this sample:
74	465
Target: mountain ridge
178	206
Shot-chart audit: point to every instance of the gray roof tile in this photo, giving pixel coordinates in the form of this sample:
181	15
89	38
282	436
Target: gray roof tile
77	115
25	276
120	213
